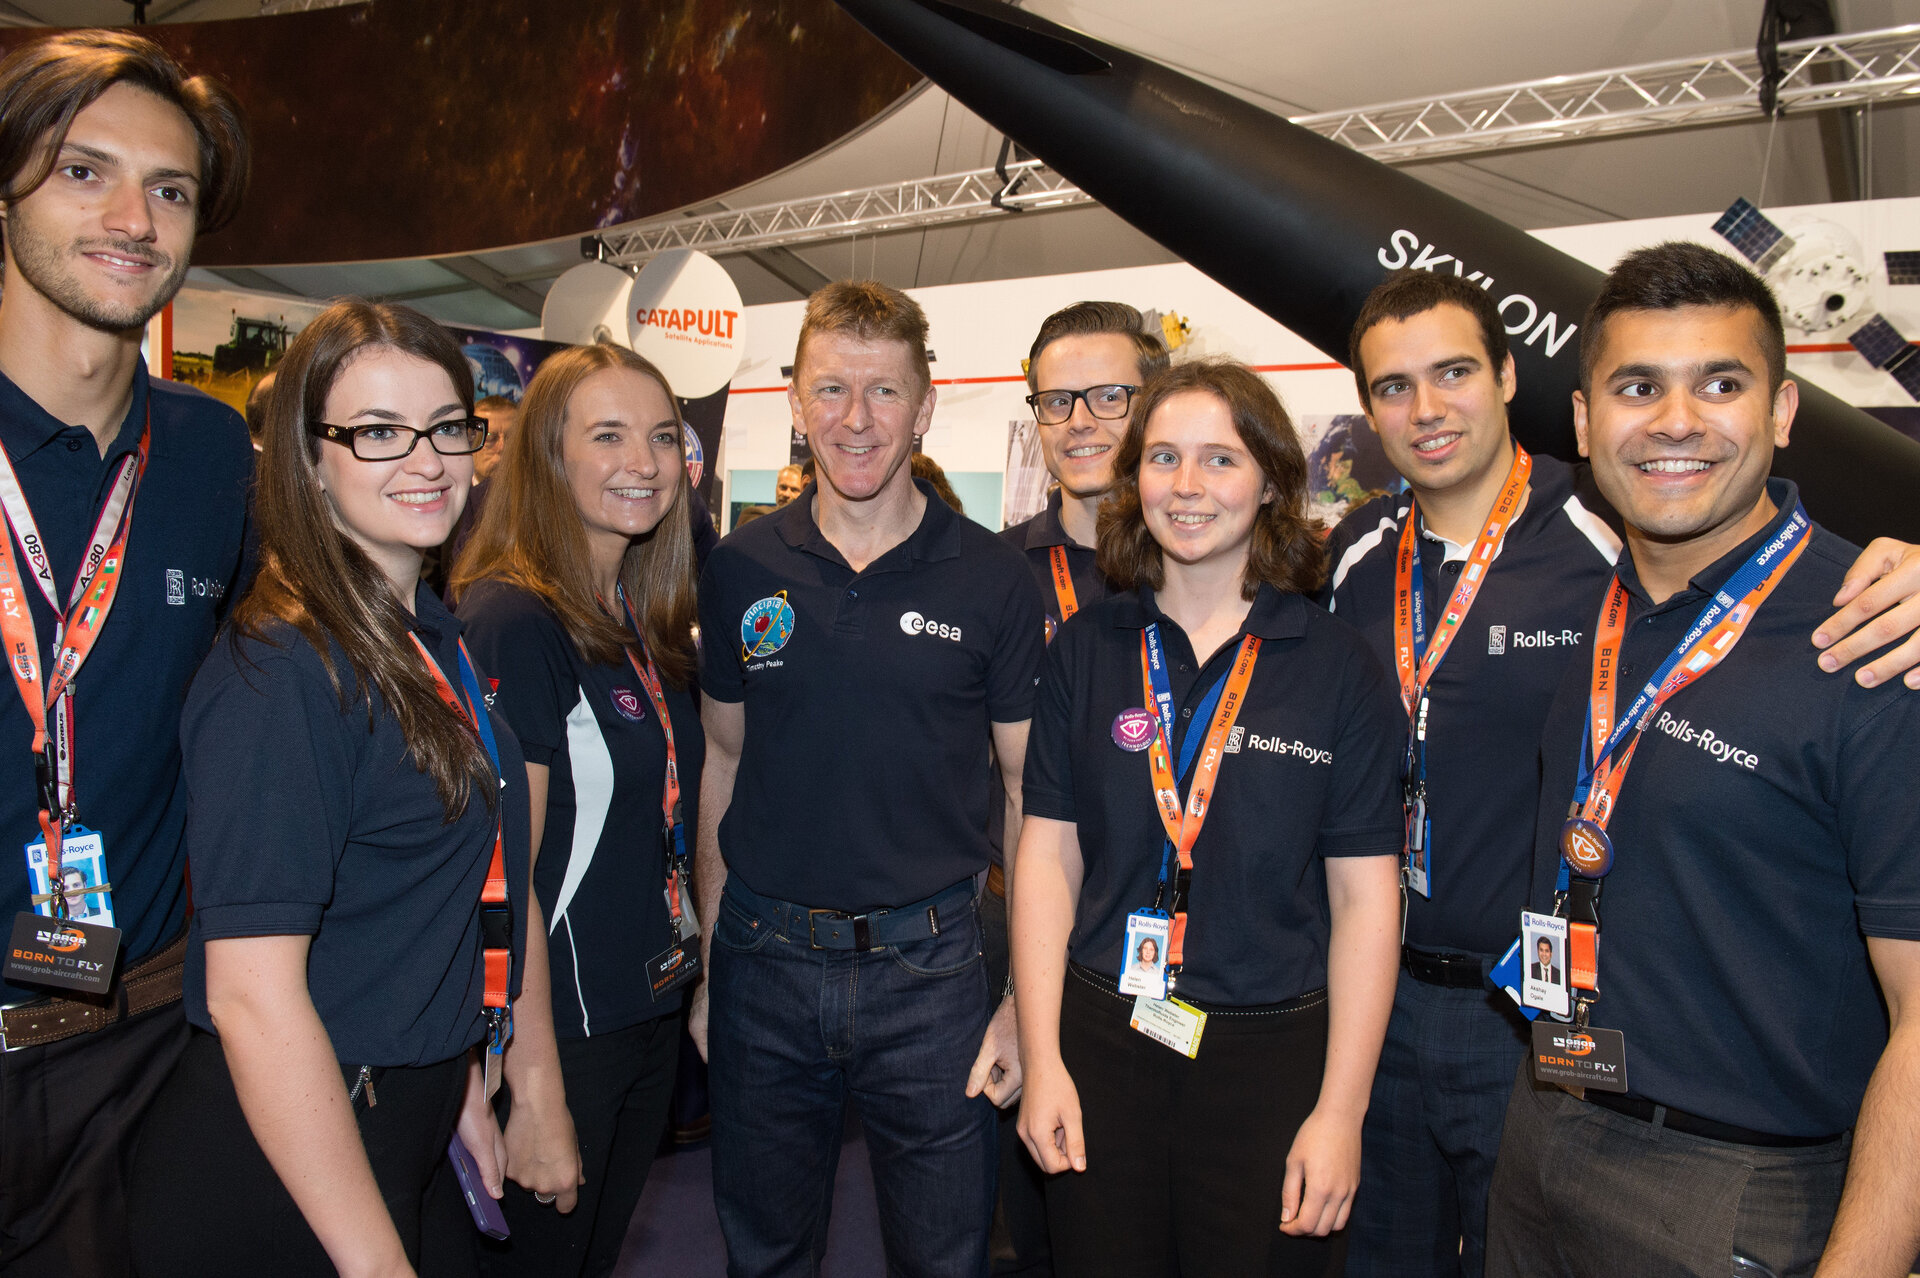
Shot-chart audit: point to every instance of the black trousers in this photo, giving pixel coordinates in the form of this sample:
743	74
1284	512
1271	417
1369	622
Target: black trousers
69	1115
1185	1158
619	1086
206	1203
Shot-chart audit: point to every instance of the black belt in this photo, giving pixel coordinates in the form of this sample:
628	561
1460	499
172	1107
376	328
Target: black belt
1693	1125
838	930
1455	971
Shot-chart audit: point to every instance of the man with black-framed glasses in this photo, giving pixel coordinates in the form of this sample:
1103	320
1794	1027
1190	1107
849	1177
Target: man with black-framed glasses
1086	364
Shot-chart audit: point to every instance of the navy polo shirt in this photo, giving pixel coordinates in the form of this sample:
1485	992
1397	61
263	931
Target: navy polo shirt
602	870
183	566
310	819
1314	775
863	777
1035	538
1532	617
1767	827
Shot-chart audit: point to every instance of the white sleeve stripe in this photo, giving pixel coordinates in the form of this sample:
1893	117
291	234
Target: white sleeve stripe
1594	529
1359	550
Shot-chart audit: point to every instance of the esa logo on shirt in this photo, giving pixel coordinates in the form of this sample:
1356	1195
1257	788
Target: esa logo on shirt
915	624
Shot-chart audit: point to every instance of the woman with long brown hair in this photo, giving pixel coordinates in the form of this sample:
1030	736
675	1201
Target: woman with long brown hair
1205	901
577	591
356	836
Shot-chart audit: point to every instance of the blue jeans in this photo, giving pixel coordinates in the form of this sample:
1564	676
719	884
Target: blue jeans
1432	1132
792	1032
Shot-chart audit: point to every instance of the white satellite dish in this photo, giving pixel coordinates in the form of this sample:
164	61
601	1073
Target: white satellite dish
685	315
587	304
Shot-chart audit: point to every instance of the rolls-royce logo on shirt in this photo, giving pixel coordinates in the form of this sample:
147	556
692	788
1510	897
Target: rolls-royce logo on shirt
1236	737
766	627
1496	640
627	703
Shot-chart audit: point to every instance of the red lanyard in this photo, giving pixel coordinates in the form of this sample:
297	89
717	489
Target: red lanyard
493	894
1409	619
1183	829
671	825
1706	653
95	587
1063	582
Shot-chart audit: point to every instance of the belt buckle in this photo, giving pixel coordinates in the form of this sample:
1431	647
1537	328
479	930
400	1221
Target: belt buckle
862	939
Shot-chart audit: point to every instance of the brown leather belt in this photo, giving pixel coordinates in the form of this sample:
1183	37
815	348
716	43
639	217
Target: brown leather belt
152	982
997	881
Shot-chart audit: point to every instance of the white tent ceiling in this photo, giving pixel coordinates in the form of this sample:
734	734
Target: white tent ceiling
1289	56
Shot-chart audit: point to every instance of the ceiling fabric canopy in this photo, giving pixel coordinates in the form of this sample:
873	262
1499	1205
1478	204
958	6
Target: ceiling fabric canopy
447	126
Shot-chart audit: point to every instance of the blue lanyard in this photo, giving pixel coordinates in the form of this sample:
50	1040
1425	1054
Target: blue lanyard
1196	730
1744	581
477	707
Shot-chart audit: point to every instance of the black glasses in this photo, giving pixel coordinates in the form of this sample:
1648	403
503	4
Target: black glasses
455	437
1109	403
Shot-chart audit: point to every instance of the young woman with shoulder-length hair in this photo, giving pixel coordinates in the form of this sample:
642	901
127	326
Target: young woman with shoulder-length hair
357	824
577	591
1213	761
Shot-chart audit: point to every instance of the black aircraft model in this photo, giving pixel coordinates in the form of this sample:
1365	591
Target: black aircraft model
1303	227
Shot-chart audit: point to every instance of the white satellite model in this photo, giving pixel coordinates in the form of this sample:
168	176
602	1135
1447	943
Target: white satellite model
587	304
1822	284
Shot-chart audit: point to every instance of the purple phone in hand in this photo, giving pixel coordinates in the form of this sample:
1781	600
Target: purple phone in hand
487	1217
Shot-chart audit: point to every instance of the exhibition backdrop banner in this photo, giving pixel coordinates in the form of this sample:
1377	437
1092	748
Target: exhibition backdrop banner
983	431
502	363
411	128
222	342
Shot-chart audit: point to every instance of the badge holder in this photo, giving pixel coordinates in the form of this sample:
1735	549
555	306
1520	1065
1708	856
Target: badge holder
679	964
1143	965
1578	1057
67	940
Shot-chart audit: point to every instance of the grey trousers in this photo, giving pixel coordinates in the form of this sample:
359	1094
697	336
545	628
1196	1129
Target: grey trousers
1582	1192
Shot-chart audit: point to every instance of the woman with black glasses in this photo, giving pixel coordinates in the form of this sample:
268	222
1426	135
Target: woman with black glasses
357	837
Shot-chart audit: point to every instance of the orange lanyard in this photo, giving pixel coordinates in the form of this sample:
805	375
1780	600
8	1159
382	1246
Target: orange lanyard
1586	849
1183	828
1063	582
1409	610
95	588
1702	656
497	949
674	829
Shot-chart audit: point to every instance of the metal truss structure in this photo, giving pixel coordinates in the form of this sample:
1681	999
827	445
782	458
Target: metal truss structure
897	206
1840	71
1818	74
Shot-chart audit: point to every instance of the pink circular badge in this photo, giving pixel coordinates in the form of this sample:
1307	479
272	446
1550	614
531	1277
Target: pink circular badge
1133	730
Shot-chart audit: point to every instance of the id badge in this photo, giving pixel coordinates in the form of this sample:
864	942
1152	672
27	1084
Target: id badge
1143	963
75	956
1420	849
673	967
1543	950
1178	1025
1579	1059
83	877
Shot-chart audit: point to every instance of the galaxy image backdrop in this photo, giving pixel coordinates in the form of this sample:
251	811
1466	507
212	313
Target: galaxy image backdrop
403	128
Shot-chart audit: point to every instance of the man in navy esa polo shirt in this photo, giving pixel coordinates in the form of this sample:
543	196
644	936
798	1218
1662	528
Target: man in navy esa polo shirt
1749	866
97	243
861	647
